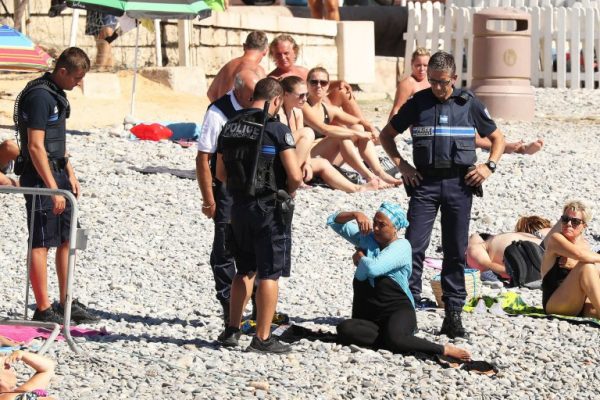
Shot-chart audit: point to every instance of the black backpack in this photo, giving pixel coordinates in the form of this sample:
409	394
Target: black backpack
523	260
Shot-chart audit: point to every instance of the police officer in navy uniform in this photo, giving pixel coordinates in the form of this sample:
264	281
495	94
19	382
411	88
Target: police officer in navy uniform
443	121
256	159
41	113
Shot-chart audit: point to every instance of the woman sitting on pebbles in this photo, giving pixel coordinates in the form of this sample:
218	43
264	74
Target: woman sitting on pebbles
35	387
284	51
339	135
570	270
383	311
291	114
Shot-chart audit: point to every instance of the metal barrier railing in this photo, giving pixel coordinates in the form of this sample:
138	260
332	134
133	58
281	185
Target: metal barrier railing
77	240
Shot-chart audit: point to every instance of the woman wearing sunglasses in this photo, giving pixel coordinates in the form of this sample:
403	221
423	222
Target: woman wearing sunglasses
570	274
294	98
339	136
284	52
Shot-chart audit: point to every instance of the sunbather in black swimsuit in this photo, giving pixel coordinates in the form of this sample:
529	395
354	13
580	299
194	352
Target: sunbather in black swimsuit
319	135
552	280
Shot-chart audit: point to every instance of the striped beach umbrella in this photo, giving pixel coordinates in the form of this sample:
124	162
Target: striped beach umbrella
19	53
152	9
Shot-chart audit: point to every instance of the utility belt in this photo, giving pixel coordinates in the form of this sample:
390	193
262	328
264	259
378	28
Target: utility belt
55	164
58	164
451	172
284	204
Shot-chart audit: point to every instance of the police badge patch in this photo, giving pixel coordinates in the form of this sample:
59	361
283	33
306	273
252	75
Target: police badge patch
289	139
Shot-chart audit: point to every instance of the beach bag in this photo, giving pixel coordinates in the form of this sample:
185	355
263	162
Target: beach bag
472	286
523	260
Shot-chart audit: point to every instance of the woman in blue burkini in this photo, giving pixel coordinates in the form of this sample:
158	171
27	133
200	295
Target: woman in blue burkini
383	312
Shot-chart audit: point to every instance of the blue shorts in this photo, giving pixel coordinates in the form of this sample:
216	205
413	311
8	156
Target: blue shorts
49	230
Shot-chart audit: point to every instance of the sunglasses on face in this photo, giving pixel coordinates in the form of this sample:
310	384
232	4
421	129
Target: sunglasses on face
316	82
575	222
301	96
433	82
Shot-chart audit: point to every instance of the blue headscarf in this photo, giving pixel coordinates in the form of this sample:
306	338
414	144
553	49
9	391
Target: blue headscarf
395	213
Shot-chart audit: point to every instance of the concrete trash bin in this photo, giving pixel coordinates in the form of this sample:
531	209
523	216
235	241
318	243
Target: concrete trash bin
502	62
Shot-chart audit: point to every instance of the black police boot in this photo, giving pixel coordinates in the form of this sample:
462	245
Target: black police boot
452	325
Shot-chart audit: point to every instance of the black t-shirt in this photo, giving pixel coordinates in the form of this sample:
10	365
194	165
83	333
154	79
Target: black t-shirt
39	109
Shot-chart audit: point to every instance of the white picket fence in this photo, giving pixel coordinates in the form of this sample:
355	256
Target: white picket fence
565	41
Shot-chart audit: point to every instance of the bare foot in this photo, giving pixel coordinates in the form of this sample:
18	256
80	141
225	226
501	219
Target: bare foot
456	352
513	147
387	178
532	147
373	184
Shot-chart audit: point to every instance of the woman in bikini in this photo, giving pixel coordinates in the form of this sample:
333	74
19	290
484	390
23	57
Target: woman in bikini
294	97
418	81
284	52
35	387
339	136
413	83
570	270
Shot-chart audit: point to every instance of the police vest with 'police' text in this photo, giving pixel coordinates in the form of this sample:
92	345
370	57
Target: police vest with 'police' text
248	171
444	135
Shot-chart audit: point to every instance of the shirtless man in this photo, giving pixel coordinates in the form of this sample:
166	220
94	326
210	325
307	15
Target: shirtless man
255	48
417	81
284	51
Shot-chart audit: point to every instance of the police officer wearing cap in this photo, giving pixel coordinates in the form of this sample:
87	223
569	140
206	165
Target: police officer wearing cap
256	159
443	121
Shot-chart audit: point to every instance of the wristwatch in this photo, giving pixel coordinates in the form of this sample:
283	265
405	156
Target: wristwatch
491	165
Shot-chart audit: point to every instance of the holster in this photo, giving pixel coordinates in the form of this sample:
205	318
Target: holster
19	166
284	207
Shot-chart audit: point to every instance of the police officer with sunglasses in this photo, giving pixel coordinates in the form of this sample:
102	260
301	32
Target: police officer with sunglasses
443	122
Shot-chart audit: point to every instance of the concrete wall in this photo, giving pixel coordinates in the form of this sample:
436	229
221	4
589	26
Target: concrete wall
213	41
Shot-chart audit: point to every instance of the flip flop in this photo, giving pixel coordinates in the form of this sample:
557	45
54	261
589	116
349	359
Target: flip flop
478	367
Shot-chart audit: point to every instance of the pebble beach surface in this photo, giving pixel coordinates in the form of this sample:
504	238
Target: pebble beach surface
146	271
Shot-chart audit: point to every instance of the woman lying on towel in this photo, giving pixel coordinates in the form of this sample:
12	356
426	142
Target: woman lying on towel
570	270
383	311
35	387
